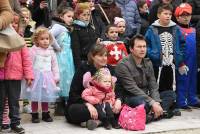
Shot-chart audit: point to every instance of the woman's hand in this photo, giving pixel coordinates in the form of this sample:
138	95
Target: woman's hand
117	106
92	110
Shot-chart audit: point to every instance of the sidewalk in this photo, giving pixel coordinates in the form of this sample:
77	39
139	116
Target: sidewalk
188	123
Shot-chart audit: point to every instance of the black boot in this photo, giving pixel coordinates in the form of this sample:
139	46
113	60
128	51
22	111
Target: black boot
114	123
35	118
60	104
107	125
46	117
167	114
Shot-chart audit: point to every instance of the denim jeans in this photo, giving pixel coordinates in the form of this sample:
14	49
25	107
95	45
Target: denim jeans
168	101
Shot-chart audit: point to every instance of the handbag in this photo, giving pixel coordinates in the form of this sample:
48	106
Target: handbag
132	118
10	40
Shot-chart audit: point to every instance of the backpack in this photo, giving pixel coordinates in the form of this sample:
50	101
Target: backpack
132	118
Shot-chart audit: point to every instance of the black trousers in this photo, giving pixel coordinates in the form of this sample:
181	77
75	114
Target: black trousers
105	112
77	113
10	89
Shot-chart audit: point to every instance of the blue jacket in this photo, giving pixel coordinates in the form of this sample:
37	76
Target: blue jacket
154	44
131	15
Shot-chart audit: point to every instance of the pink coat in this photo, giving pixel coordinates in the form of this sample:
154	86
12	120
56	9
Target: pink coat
95	96
1	73
18	65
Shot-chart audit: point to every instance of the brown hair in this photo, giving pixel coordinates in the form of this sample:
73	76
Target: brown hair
136	37
163	7
141	3
63	10
97	49
38	32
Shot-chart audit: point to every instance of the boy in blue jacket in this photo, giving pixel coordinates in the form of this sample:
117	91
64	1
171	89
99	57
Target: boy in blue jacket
165	49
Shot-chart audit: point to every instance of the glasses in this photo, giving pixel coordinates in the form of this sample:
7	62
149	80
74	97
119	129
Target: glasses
185	15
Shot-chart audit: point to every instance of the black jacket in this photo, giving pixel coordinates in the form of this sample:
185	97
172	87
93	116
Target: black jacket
195	11
98	23
82	39
77	88
41	16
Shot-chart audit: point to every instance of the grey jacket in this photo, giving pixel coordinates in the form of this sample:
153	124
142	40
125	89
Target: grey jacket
137	80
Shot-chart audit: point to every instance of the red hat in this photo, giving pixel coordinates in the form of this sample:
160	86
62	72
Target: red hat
184	7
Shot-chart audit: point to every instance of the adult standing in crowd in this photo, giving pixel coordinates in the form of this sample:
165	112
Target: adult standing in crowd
108	10
78	110
131	15
6	18
138	84
41	13
15	5
195	11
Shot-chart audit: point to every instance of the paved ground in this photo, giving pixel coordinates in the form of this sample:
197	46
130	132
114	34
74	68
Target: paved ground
188	123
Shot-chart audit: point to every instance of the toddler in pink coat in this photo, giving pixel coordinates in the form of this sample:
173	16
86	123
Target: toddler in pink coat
100	93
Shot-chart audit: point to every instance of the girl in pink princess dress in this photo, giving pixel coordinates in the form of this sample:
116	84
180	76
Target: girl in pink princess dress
44	88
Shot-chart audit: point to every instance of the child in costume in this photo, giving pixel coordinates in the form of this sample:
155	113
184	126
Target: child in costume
187	82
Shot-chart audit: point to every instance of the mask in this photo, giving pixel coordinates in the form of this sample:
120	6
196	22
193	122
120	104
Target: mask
108	2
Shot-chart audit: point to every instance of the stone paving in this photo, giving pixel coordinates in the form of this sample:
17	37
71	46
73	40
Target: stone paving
188	123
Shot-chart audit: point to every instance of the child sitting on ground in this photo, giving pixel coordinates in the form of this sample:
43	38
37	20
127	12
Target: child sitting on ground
100	93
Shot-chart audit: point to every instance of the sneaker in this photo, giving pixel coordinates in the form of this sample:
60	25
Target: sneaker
27	109
5	128
18	129
46	117
91	124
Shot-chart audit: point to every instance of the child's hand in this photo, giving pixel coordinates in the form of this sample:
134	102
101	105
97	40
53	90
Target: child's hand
57	82
29	82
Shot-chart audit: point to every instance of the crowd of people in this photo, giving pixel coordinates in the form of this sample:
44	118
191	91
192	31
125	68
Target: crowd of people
90	58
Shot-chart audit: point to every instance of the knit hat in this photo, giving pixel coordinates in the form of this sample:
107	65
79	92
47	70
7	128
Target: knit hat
118	20
184	7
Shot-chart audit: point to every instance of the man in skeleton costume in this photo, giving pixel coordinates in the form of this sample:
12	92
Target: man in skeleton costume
165	49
